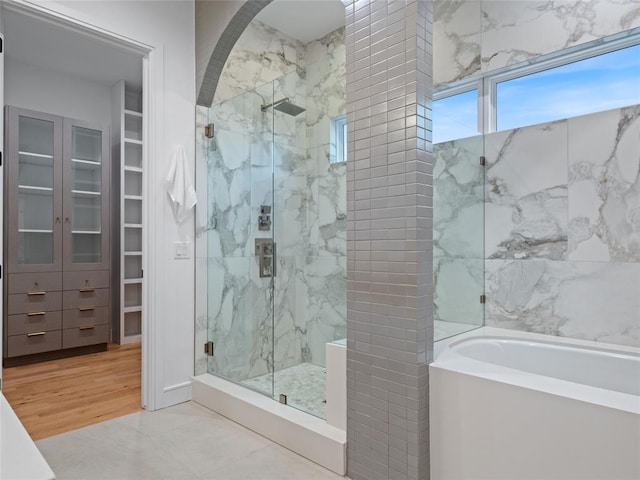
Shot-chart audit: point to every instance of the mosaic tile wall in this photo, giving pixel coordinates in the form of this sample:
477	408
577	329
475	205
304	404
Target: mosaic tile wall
389	226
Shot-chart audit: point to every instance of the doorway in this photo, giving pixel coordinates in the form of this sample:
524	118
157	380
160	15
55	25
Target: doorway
66	72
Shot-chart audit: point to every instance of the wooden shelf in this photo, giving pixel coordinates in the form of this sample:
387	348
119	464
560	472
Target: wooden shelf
128	129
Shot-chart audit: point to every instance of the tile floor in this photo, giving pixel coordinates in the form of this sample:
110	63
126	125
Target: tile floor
183	442
303	384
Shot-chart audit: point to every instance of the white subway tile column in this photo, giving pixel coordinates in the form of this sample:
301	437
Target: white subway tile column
389	237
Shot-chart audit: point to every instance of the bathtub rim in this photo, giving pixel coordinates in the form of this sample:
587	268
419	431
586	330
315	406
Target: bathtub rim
447	359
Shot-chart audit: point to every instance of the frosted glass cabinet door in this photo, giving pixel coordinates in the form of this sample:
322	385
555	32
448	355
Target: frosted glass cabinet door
34	202
86	196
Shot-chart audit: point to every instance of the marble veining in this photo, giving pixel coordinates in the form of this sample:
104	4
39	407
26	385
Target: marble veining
511	30
474	37
248	67
270	158
526	192
588	300
604	186
456	40
458	199
561	229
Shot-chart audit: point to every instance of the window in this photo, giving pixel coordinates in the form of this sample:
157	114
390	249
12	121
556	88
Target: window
455	116
604	82
601	75
338	139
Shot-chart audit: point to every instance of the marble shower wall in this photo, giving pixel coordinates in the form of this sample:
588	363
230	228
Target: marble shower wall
474	37
562	198
562	227
309	203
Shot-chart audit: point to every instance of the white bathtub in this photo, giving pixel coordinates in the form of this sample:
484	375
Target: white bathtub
512	405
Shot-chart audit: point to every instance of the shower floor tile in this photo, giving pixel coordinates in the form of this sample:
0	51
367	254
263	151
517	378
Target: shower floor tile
304	386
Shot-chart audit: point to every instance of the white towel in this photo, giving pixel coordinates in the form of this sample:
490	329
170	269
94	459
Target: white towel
179	186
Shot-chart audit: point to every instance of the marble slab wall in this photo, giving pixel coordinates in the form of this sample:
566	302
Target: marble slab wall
473	37
561	206
270	158
560	233
563	227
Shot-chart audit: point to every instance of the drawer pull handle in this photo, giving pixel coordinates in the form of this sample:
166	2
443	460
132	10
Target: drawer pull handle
36	314
87	327
87	290
86	309
36	293
36	334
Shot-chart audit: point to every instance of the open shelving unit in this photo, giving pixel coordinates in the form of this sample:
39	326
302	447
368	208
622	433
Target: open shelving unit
128	149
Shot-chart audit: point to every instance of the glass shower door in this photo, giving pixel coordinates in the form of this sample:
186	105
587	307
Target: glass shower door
458	236
240	191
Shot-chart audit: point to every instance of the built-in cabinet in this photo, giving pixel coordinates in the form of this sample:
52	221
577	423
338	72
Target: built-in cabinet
127	272
57	242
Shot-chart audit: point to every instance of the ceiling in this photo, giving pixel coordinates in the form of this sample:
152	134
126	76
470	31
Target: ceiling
40	43
305	20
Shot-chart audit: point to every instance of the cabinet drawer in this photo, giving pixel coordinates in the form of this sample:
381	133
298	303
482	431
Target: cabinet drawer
33	302
34	322
93	298
81	336
26	345
85	280
34	282
81	318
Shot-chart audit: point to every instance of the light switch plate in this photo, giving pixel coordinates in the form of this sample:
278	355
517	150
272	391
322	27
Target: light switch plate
182	250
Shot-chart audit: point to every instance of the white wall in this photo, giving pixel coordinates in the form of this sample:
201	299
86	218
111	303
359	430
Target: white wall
1	174
44	90
211	20
167	26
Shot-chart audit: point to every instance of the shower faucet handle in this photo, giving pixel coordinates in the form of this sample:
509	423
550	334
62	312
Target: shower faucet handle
266	253
264	219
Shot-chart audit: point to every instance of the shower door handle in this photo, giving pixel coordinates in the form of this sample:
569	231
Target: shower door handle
266	253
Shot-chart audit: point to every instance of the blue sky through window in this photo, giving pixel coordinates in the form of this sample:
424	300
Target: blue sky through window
595	84
455	117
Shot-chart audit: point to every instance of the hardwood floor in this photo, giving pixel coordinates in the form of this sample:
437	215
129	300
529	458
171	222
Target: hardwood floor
61	395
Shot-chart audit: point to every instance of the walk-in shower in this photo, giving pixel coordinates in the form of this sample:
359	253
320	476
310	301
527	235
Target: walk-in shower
276	257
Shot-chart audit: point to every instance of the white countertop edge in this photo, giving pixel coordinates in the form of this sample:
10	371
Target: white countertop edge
20	459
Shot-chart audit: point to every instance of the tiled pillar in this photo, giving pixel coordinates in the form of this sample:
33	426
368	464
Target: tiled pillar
389	204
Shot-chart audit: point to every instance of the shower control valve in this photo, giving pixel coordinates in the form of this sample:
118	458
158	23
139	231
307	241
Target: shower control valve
264	219
266	253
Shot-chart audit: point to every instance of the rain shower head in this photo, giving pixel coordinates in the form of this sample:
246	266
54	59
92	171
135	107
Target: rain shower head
284	106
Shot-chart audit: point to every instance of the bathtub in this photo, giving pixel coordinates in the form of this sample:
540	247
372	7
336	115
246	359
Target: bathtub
513	405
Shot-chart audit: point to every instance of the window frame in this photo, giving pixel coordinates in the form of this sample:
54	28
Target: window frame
339	133
487	84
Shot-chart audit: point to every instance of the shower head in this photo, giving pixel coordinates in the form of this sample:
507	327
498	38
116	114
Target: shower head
289	108
284	106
